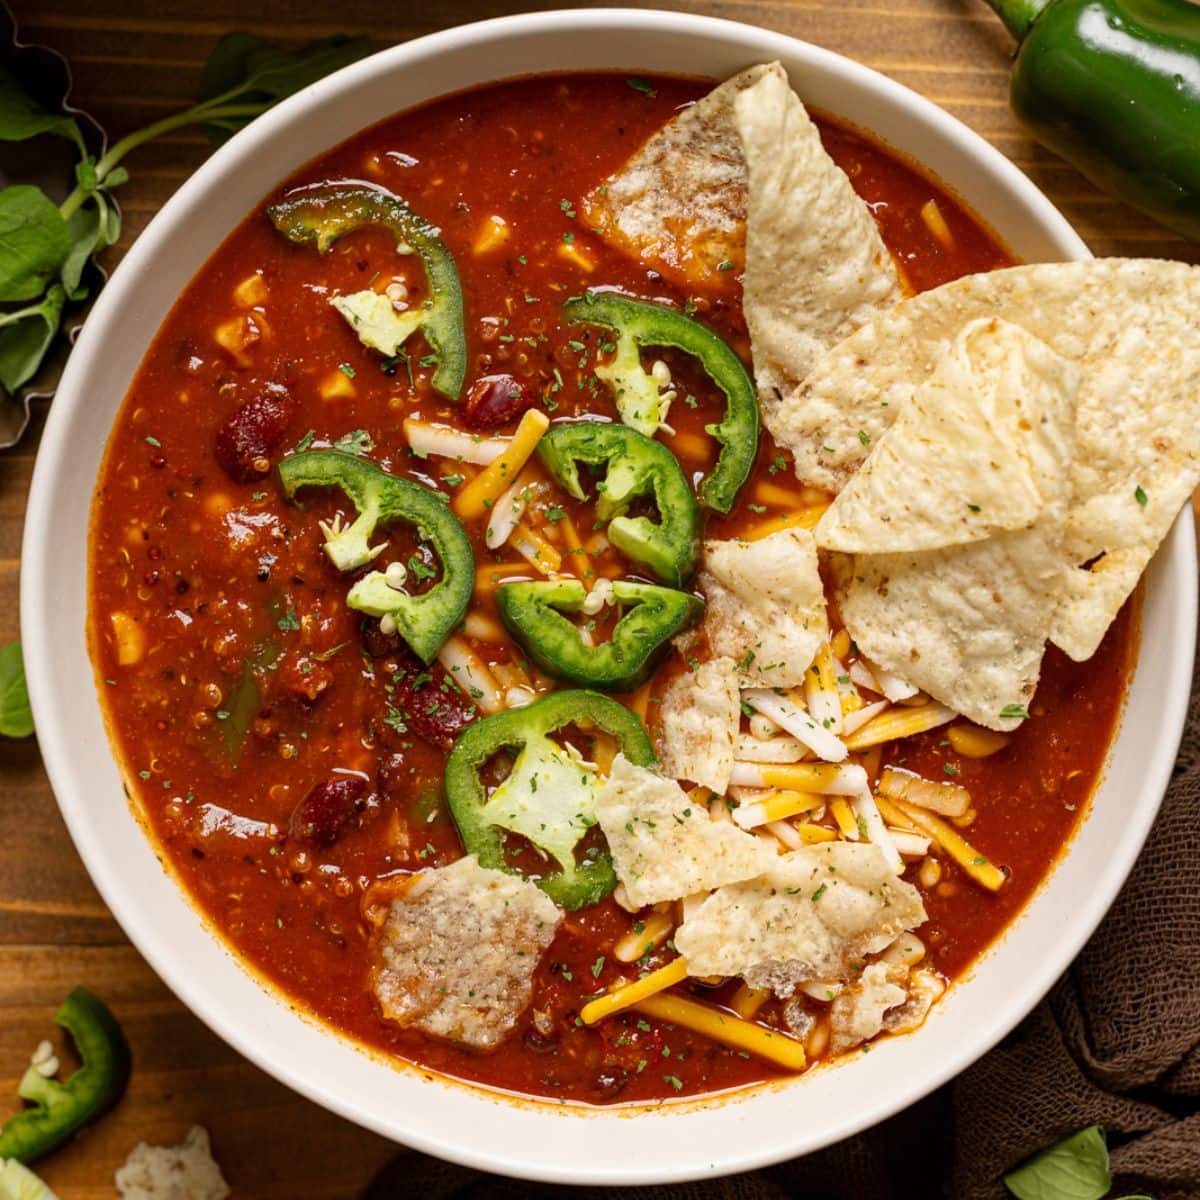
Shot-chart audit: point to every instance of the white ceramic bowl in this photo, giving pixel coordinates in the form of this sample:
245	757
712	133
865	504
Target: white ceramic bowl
447	1119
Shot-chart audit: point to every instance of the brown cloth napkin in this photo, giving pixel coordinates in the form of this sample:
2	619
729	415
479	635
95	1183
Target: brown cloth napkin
1116	1043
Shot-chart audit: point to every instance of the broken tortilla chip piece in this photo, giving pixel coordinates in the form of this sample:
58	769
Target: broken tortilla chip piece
1129	326
664	843
765	605
813	914
977	450
698	720
741	178
458	950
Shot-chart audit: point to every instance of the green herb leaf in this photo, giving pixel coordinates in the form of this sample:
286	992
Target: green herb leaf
1140	496
22	118
1074	1169
289	620
1014	711
640	85
16	719
34	242
358	441
25	336
258	74
325	655
91	229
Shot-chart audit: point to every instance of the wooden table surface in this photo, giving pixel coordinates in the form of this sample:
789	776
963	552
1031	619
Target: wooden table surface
138	60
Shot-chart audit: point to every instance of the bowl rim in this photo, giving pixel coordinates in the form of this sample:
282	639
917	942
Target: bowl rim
55	739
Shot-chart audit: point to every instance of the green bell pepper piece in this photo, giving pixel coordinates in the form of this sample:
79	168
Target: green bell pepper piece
319	216
532	611
424	621
59	1109
549	797
1113	86
20	1183
635	467
638	323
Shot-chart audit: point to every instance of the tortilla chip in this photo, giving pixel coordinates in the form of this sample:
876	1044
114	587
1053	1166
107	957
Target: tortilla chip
458	950
816	266
1130	327
765	606
741	178
976	451
679	203
664	844
698	720
966	624
813	914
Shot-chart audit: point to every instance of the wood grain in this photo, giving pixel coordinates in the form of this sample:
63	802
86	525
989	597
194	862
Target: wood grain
135	61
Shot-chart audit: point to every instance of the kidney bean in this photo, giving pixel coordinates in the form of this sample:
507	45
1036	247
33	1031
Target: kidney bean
251	433
429	702
542	1035
322	815
376	643
609	1081
495	400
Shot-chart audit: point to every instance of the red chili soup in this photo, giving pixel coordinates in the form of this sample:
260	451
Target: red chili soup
287	753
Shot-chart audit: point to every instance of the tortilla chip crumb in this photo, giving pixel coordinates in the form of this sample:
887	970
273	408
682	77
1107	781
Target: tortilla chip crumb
857	1013
924	987
184	1172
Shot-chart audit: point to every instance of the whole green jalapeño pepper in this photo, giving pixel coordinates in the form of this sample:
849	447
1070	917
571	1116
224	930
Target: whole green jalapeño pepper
59	1109
533	613
637	324
424	620
636	467
319	216
549	796
1113	86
